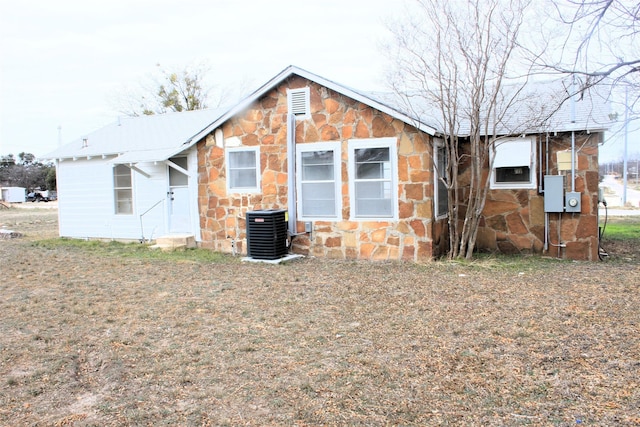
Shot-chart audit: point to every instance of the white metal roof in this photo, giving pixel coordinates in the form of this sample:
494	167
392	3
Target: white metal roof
144	138
159	137
538	107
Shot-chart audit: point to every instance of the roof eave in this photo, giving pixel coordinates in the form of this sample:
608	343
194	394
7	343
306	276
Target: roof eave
291	70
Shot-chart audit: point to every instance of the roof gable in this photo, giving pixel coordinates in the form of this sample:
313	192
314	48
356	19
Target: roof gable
351	93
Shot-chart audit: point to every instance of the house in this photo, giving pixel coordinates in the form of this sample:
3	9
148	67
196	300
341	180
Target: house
357	176
135	179
355	173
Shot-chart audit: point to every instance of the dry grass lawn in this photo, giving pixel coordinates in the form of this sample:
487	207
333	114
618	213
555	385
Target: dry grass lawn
93	337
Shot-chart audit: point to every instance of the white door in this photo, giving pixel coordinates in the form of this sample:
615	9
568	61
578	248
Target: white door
179	213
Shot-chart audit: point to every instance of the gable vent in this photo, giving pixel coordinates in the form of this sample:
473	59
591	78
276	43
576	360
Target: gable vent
299	101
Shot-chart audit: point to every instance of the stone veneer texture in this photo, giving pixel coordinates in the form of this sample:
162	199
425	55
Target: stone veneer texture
512	222
334	117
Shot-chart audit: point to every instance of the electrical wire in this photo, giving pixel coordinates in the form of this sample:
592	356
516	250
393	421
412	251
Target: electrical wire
602	253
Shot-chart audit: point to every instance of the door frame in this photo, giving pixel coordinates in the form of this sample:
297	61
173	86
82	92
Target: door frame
192	186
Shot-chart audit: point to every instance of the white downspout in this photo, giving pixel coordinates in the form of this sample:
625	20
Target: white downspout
546	214
573	134
291	173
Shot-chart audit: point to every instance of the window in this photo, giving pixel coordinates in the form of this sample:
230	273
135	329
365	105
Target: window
373	178
243	166
177	178
514	164
123	190
439	170
298	101
318	171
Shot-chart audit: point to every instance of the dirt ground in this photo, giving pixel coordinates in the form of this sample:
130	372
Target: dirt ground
93	339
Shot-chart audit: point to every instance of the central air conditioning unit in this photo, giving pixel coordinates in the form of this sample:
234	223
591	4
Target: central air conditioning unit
267	234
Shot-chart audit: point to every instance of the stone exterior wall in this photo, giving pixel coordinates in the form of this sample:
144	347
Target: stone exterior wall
334	117
514	220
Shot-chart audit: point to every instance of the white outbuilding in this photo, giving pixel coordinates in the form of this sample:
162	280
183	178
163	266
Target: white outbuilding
13	194
135	179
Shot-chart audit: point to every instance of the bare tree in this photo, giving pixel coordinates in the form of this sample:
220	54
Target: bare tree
172	90
182	92
456	63
601	43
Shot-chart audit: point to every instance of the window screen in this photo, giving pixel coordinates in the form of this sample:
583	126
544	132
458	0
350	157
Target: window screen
318	183
242	168
373	184
123	190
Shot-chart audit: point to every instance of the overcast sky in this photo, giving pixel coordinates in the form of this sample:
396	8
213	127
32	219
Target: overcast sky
63	62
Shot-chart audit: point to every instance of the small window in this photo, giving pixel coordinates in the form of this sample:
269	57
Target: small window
318	183
299	102
123	190
441	196
514	164
373	178
243	169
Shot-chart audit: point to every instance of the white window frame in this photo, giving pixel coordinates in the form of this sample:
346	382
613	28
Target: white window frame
299	102
337	181
514	154
250	189
438	146
389	143
116	189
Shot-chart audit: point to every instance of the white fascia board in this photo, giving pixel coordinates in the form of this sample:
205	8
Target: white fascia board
321	81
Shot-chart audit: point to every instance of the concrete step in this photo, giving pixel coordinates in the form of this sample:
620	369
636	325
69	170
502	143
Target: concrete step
175	241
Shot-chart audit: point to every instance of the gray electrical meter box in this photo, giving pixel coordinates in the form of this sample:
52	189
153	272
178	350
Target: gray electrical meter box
573	202
554	193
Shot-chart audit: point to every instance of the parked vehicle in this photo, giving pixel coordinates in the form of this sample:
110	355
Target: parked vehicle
41	196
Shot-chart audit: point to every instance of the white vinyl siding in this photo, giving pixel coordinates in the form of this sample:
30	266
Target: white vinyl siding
123	190
514	162
373	179
318	183
82	180
243	169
